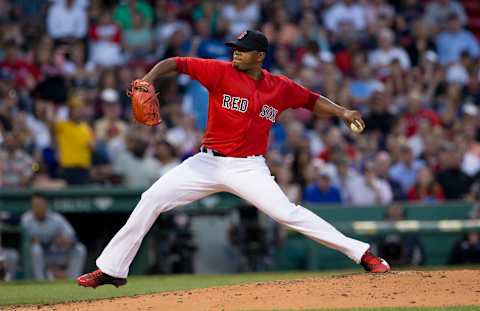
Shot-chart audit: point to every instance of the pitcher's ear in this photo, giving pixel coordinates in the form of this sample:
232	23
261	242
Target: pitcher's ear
261	56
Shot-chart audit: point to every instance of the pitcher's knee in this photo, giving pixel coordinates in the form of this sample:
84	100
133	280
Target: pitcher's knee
157	200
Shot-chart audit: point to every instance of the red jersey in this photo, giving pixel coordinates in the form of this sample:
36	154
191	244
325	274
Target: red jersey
242	110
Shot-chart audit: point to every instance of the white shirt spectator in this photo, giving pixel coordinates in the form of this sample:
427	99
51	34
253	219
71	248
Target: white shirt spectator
105	42
40	131
137	172
381	57
457	73
241	19
361	193
340	12
64	21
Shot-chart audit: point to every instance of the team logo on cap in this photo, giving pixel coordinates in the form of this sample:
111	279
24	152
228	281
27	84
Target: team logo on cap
242	35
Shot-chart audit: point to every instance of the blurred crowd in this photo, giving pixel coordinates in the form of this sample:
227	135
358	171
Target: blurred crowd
411	67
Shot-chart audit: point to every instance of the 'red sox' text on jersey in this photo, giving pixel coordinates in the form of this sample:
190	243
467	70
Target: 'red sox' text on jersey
242	110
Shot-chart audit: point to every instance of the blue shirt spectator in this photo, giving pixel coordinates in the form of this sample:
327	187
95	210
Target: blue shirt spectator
405	171
322	192
455	40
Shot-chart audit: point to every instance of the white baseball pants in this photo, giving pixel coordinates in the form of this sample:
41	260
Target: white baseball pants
204	174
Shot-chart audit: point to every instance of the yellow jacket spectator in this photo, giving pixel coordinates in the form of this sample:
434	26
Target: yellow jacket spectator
75	143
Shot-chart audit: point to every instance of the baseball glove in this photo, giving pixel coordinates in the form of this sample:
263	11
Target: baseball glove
145	104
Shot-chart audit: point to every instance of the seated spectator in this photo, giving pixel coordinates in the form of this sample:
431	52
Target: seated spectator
321	190
241	14
110	126
439	10
166	154
138	169
78	71
105	42
55	251
15	67
382	166
124	12
75	143
292	190
454	182
67	21
345	11
15	164
454	40
368	189
382	57
343	174
426	189
400	248
379	118
406	169
138	41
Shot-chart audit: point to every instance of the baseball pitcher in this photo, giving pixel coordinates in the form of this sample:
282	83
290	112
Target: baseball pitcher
244	102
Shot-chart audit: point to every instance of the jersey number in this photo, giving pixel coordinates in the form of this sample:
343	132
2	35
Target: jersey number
235	103
269	113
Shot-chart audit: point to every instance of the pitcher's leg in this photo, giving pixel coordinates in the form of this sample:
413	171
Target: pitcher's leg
182	185
259	188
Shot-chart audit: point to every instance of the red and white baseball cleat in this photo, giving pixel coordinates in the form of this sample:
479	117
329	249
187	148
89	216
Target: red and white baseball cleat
374	264
98	278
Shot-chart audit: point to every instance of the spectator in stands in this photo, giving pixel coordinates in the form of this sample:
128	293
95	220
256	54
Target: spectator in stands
242	15
55	250
283	176
125	10
382	163
406	169
368	189
345	12
426	189
135	165
379	119
15	67
105	41
15	164
343	174
138	40
416	112
455	183
166	154
387	52
439	10
110	126
67	21
402	249
75	142
77	69
321	190
454	40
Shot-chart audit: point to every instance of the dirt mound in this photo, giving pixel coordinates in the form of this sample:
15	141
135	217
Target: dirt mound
395	289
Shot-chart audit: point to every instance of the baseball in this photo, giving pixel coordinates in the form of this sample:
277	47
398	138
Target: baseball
356	128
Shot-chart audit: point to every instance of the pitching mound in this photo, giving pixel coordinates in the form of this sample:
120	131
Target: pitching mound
396	289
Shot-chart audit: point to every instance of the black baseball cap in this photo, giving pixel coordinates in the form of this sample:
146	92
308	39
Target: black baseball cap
250	40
